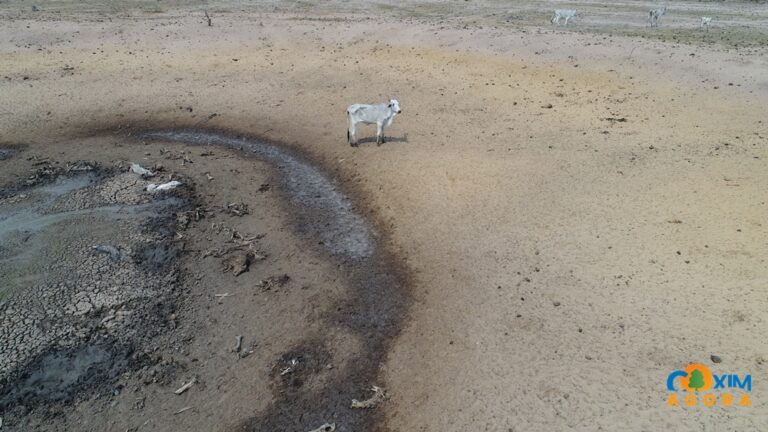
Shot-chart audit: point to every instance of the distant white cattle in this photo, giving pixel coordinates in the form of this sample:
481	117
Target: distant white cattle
380	114
654	15
705	22
566	14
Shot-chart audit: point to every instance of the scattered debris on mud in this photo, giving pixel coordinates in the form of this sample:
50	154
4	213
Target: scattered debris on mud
327	427
297	366
237	209
239	262
274	282
379	395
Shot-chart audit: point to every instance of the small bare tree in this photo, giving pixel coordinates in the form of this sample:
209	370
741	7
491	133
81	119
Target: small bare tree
208	17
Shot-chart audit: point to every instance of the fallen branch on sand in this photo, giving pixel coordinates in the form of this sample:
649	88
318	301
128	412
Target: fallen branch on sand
379	395
185	387
630	53
182	410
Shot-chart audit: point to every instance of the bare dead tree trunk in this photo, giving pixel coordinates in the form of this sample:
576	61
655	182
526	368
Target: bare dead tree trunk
208	17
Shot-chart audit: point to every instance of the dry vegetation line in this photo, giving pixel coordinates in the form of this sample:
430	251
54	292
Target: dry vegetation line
373	311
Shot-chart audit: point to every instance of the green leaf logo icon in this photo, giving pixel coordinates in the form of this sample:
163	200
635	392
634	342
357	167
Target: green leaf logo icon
696	380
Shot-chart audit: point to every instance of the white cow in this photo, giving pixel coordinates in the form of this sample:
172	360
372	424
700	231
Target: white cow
705	22
654	15
381	114
566	14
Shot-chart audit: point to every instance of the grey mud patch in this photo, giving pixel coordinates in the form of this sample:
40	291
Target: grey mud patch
72	318
373	311
157	256
58	375
7	153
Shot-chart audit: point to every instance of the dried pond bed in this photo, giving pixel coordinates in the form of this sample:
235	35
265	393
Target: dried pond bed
72	318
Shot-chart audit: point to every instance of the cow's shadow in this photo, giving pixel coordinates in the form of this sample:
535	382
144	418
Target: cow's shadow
387	140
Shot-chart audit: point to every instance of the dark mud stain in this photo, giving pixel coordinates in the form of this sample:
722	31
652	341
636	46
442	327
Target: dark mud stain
58	375
373	312
10	150
6	153
298	365
156	256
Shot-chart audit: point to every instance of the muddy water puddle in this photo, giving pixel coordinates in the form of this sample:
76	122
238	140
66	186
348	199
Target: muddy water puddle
32	229
32	213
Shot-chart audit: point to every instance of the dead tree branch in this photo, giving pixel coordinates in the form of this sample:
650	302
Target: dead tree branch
208	17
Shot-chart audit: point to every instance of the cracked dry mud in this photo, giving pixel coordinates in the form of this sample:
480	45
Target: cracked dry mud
68	314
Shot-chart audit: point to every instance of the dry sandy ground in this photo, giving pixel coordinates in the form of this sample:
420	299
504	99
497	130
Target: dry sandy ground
581	213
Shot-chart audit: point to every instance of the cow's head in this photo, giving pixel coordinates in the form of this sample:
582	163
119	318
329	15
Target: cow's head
395	106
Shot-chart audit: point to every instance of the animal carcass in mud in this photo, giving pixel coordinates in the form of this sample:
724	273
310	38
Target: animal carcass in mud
141	171
152	187
239	262
273	282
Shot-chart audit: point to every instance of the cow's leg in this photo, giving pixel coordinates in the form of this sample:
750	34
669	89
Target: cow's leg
379	133
566	21
351	138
